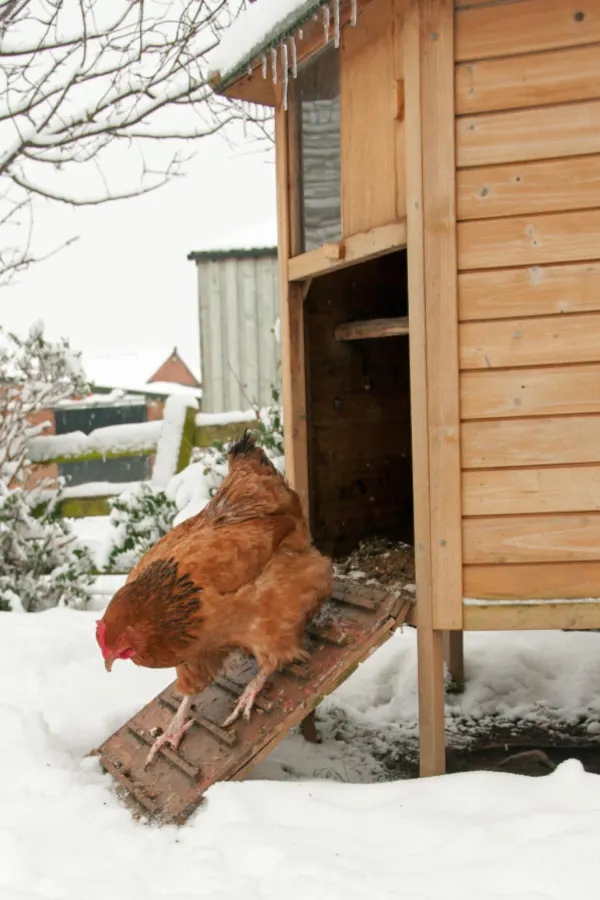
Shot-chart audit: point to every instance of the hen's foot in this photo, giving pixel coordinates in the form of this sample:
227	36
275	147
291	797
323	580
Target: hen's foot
170	737
174	732
246	701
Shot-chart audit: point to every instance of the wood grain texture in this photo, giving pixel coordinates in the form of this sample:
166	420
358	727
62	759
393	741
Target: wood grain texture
556	440
539	79
291	313
546	132
557	185
534	291
358	248
441	299
502	492
549	616
366	71
432	744
529	240
535	582
561	390
529	539
371	328
531	26
508	343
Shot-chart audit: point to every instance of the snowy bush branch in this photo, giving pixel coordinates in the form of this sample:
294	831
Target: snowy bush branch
35	375
80	76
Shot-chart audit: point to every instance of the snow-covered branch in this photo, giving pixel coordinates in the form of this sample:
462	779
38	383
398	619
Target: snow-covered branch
76	76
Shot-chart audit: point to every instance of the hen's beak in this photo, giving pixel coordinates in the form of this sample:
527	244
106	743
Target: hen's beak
108	663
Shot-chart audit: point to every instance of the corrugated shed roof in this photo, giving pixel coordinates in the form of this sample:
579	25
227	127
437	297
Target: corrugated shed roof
247	253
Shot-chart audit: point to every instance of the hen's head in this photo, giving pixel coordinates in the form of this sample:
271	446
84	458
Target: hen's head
116	638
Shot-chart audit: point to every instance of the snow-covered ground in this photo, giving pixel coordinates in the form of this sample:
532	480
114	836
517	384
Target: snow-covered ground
296	829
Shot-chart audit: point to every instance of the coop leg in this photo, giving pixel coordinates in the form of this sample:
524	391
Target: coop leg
432	737
454	653
308	728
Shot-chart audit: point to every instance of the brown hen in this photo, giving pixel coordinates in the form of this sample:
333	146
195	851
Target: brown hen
242	574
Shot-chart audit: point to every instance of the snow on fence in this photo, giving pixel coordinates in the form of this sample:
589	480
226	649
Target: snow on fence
170	439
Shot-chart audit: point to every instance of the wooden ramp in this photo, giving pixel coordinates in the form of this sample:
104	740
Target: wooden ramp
358	618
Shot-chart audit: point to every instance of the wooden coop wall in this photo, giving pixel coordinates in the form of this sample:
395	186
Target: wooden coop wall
527	103
358	408
372	129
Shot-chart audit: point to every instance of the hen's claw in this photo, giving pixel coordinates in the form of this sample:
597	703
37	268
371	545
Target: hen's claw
246	701
171	736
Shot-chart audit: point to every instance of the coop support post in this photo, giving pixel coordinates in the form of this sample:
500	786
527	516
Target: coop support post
432	734
454	655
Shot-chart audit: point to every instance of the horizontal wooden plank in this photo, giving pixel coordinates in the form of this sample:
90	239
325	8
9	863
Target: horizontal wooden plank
529	240
534	291
533	616
547	132
530	26
556	185
356	248
533	582
557	440
561	390
501	492
371	328
540	79
545	341
529	539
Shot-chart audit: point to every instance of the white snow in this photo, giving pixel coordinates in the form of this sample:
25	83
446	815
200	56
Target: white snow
167	452
262	22
190	490
112	438
260	234
93	489
225	418
288	831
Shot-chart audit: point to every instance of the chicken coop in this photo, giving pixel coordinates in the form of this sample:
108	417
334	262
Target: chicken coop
438	172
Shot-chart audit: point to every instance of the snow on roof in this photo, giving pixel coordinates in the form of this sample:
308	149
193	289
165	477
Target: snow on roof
111	368
130	371
261	25
258	239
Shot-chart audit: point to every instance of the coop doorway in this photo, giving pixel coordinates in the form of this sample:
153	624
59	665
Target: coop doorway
358	408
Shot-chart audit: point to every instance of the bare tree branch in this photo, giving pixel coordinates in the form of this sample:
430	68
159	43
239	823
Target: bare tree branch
79	76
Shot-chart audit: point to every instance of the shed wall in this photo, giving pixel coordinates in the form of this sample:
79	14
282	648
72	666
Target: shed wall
238	310
527	93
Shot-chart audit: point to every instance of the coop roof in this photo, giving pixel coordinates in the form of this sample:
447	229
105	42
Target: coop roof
262	26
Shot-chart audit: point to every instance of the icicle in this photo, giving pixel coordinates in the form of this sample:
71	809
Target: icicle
300	34
274	64
249	68
263	64
353	13
284	75
336	22
326	20
294	57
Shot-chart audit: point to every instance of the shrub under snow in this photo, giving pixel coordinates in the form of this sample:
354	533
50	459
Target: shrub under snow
40	564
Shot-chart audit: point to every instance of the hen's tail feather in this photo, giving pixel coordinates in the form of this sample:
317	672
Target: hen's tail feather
244	446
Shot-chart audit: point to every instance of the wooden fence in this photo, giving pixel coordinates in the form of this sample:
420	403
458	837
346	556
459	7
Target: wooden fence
171	446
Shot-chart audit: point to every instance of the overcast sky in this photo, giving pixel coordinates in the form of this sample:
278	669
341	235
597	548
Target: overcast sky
126	283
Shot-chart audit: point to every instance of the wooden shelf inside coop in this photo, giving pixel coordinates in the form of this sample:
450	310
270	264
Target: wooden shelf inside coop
371	328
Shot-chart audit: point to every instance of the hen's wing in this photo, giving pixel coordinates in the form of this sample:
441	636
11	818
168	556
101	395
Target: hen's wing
231	541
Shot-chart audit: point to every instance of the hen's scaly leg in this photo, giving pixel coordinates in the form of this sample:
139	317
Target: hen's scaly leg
246	701
174	732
